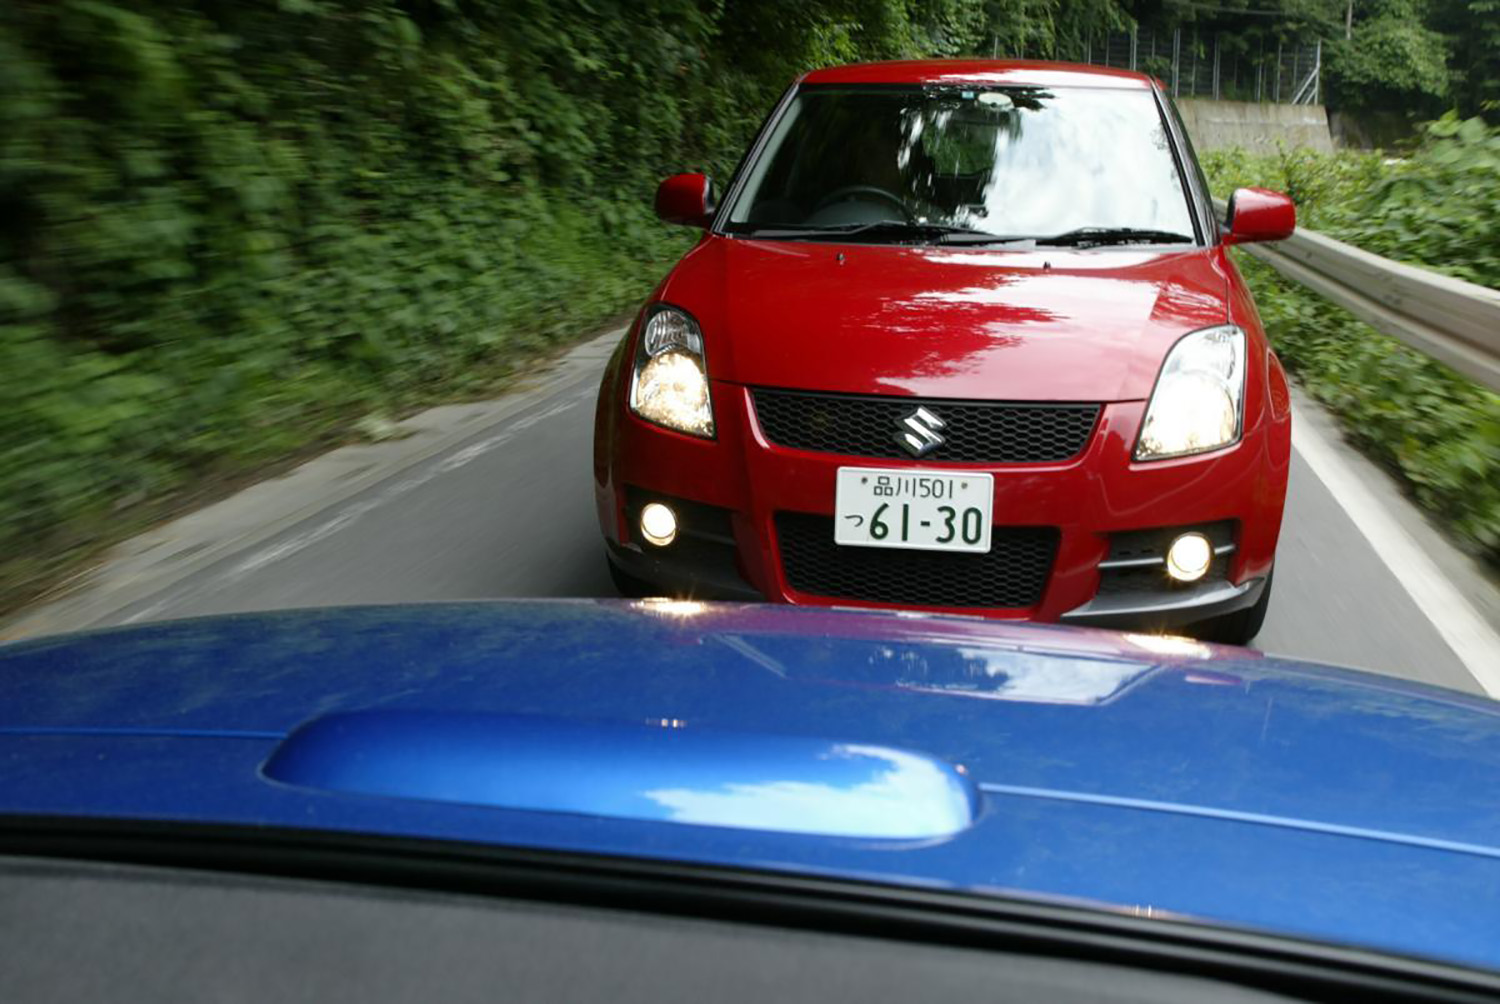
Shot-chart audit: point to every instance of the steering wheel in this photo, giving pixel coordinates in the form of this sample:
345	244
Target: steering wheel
844	193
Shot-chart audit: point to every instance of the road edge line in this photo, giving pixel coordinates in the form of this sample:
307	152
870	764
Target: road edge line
1468	634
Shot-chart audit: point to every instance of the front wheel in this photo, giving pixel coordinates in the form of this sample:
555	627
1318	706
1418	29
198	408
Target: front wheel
1240	627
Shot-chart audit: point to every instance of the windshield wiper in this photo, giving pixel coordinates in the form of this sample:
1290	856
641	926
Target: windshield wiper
880	228
1097	236
978	238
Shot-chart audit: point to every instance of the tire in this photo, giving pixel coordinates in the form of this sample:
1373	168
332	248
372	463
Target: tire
628	585
1240	627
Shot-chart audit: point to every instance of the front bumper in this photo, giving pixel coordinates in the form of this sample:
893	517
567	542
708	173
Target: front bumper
1166	609
1099	493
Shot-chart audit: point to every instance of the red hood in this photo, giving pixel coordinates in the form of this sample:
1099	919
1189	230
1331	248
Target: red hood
943	322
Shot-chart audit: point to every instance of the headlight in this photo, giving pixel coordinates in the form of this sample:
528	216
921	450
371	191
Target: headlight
669	385
1199	400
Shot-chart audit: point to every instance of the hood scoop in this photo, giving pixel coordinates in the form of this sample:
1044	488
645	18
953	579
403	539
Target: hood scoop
661	771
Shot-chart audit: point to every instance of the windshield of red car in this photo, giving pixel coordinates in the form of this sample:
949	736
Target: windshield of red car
1012	162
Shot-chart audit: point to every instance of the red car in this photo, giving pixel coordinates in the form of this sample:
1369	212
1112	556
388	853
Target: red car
959	336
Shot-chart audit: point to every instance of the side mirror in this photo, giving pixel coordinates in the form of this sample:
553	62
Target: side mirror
685	199
1259	214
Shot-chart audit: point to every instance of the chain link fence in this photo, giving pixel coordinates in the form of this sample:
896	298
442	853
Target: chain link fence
1203	65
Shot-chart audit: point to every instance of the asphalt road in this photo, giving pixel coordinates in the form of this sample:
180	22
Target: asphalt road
510	513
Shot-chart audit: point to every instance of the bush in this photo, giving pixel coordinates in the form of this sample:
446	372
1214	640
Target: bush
229	230
1438	209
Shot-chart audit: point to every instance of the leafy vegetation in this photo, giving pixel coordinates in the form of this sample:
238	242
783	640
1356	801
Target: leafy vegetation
1439	209
1472	28
1393	60
229	230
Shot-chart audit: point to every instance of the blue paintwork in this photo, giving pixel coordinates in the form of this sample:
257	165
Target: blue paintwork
1236	788
659	771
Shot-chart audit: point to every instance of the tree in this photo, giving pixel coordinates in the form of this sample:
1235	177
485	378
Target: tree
1473	31
1393	62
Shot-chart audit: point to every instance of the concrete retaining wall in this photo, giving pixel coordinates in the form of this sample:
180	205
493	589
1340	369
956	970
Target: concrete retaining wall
1255	127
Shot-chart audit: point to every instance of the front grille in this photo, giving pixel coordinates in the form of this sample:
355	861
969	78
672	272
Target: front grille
981	432
1012	574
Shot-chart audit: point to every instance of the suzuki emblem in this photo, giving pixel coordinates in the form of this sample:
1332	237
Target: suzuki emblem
919	435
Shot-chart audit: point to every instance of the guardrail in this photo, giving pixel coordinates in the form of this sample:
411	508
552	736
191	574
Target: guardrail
1454	322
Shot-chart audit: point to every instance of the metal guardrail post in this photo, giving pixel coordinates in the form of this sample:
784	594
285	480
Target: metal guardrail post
1452	321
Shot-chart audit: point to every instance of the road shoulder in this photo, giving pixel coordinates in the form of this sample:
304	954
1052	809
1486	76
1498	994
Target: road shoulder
155	561
1451	590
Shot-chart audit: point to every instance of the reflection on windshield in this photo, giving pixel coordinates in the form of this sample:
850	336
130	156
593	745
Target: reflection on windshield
1012	162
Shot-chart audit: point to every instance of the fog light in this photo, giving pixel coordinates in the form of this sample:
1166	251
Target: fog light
659	524
1189	557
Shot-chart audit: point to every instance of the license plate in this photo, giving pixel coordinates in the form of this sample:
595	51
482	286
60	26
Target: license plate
913	509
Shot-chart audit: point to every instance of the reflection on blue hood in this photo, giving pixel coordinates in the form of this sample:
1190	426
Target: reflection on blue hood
1143	773
656	771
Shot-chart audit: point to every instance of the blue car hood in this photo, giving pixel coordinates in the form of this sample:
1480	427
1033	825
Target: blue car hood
1144	774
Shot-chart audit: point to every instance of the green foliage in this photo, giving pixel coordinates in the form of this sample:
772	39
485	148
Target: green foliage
1048	29
1394	60
1440	209
1438	431
230	230
1407	59
1472	28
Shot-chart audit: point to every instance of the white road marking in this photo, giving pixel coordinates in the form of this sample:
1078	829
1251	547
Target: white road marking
352	513
1469	635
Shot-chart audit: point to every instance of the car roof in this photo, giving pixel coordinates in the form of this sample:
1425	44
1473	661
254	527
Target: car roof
1023	72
